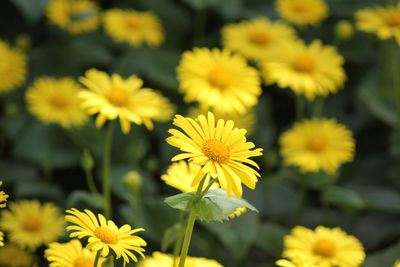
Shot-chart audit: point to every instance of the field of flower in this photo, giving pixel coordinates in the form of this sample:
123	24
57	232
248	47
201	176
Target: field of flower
200	133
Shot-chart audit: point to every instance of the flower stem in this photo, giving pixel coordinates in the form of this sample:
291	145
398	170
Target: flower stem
96	260
396	83
178	244
299	107
300	205
106	171
90	182
318	107
136	207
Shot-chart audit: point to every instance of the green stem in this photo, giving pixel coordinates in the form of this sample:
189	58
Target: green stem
318	107
178	244
299	107
136	208
300	205
96	260
396	83
106	171
90	182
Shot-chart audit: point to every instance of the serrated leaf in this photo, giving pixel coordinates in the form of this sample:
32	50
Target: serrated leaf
180	201
171	235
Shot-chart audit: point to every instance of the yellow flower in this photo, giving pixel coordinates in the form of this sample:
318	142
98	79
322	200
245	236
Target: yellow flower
383	21
325	247
317	144
180	175
74	16
3	197
310	70
304	12
257	38
70	254
133	27
344	30
1	239
114	97
238	212
221	149
159	259
105	235
13	67
299	263
12	256
397	263
56	101
31	224
218	79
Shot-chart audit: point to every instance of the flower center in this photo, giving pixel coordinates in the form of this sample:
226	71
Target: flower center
59	101
259	38
32	223
393	19
118	97
303	63
106	235
316	143
216	150
324	248
133	22
82	261
220	77
299	7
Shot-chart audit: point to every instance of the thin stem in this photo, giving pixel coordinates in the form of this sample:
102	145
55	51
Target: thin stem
106	171
299	107
178	244
396	83
300	205
96	260
188	236
90	182
208	187
136	207
318	106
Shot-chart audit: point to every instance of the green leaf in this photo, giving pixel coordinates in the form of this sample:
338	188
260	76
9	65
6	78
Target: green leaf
270	238
31	10
386	257
171	235
180	201
343	197
78	196
109	262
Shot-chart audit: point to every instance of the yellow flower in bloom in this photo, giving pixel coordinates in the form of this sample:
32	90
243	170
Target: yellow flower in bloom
114	97
56	101
383	21
159	259
304	12
221	149
105	235
257	38
325	247
180	175
310	70
299	263
74	16
3	197
218	79
13	67
134	27
238	212
70	254
344	30
12	256
317	144
31	224
397	263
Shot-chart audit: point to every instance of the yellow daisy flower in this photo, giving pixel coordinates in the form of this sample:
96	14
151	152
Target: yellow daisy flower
159	259
310	70
13	67
397	263
134	27
325	247
74	16
218	79
304	12
383	21
317	144
70	254
56	101
221	149
3	197
31	224
257	38
301	263
105	235
114	97
238	212
181	174
20	257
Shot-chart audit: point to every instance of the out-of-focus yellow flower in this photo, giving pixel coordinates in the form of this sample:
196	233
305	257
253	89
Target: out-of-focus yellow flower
74	16
344	30
56	101
159	259
257	38
12	256
3	197
303	12
113	97
310	70
13	67
238	212
298	263
219	80
397	263
133	27
23	41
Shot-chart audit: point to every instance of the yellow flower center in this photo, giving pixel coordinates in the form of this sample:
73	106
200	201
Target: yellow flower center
316	143
118	97
106	235
216	150
133	22
303	63
82	261
59	101
393	19
299	7
32	223
220	77
324	248
259	38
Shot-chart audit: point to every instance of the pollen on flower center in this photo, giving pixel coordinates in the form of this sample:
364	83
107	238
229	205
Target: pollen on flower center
133	22
259	37
59	101
220	77
325	248
32	223
393	19
118	97
83	262
106	235
303	63
299	7
316	143
216	150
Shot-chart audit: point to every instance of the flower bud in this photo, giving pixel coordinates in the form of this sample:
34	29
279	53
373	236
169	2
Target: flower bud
344	30
87	161
132	180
